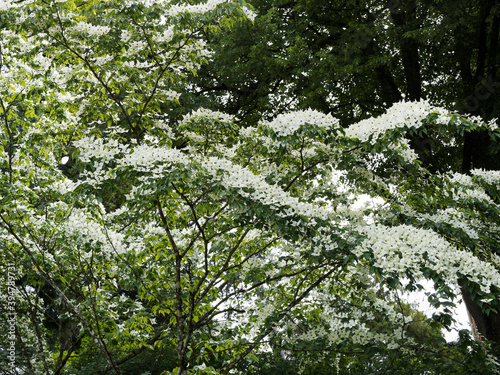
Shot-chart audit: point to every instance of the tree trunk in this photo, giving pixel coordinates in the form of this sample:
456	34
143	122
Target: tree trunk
488	325
405	19
480	91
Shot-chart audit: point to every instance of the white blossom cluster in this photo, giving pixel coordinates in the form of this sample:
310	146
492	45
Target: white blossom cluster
164	37
323	242
340	323
145	158
263	312
493	125
136	47
288	123
203	113
351	329
408	154
405	248
9	4
250	14
64	186
93	147
24	77
208	6
63	74
490	177
102	60
260	190
82	229
402	114
454	218
90	29
466	188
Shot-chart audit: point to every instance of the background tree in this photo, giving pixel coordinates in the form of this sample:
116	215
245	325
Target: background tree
379	52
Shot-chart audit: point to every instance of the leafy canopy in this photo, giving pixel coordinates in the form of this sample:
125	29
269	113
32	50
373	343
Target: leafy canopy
216	243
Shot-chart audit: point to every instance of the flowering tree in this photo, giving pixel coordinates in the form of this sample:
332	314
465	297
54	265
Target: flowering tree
190	234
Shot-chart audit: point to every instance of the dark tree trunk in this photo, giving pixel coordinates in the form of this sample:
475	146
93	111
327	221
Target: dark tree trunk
480	94
405	19
389	91
488	325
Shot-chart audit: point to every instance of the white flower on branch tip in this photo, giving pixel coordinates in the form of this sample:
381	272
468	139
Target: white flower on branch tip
289	123
92	147
90	29
402	114
490	177
465	188
175	10
405	248
203	113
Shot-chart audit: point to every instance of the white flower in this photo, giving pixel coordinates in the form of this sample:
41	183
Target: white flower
210	5
492	124
250	14
91	30
164	37
206	114
490	177
99	148
405	248
64	186
402	114
125	36
101	60
288	123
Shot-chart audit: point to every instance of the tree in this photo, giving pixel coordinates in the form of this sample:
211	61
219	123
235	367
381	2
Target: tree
336	56
355	59
199	237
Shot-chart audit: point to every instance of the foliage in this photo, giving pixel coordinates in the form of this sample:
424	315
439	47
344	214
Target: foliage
355	59
189	236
